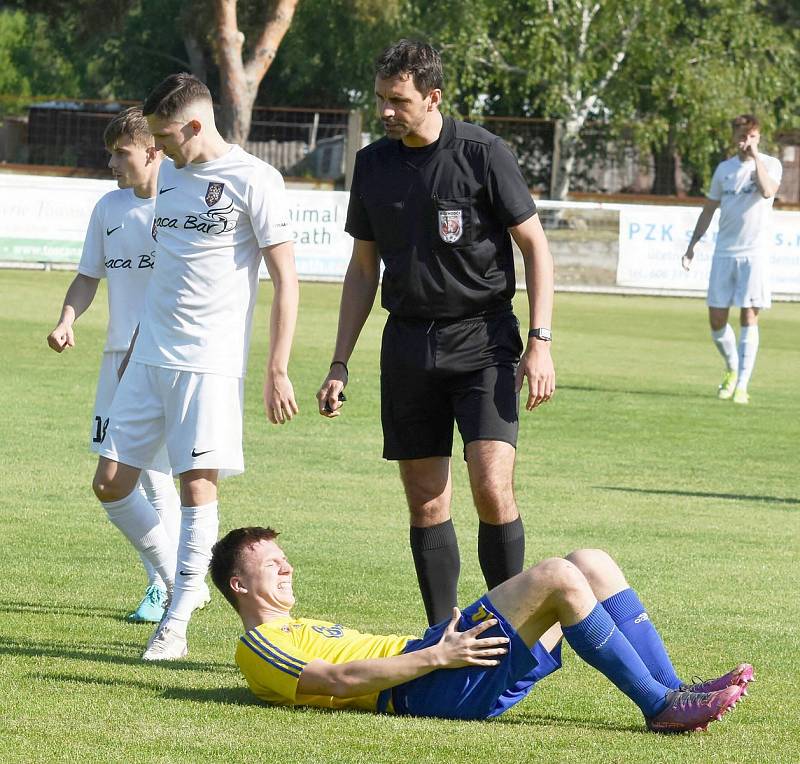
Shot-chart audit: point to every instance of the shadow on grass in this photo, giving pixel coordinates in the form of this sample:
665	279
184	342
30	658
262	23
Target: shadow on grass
702	494
573	722
649	393
100	653
84	611
236	696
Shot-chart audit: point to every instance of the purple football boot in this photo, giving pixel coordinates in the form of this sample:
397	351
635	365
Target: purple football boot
694	711
741	676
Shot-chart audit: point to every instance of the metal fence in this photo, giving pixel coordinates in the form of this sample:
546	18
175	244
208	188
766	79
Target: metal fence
312	143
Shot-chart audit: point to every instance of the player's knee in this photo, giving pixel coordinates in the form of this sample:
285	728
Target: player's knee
106	489
559	574
589	561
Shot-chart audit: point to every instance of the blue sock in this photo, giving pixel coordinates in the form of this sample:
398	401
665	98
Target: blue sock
598	640
630	615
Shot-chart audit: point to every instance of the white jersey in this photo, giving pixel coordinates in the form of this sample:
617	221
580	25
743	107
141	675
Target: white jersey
745	215
120	248
211	221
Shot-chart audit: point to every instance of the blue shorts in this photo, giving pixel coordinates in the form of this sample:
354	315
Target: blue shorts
475	692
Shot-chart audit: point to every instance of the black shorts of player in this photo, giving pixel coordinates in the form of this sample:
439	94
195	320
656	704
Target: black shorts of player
435	373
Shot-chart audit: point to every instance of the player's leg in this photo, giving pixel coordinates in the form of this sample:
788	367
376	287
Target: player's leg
417	423
721	290
434	546
116	486
556	590
753	294
204	439
159	489
626	609
748	349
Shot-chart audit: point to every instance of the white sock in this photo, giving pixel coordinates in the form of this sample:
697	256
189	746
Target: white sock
140	524
725	340
199	527
163	496
748	349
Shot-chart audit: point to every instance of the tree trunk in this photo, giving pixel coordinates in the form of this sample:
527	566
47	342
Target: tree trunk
565	164
668	177
239	80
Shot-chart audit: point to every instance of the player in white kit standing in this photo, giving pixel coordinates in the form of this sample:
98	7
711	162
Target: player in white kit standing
743	187
119	247
218	211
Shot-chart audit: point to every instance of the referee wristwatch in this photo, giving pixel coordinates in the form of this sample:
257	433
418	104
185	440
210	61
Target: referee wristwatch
541	334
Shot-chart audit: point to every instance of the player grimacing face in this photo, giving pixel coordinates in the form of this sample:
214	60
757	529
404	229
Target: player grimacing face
131	164
403	110
267	577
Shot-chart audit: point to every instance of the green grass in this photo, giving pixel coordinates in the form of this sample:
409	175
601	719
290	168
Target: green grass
698	499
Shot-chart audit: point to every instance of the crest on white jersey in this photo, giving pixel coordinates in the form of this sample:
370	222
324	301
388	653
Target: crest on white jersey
214	193
451	225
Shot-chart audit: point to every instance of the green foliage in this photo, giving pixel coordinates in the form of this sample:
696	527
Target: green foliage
698	499
32	62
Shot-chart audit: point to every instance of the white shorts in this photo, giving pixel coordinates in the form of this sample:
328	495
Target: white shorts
198	416
740	281
107	383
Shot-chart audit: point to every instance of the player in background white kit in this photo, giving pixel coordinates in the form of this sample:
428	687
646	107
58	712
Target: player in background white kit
219	210
119	248
743	187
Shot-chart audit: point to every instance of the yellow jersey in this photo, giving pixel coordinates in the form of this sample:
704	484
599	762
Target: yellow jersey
272	656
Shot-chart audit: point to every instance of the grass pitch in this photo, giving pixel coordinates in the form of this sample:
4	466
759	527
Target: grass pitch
698	499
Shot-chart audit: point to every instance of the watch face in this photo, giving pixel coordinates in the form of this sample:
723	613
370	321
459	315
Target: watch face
541	334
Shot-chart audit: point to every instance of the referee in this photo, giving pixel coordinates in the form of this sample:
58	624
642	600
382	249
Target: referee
437	201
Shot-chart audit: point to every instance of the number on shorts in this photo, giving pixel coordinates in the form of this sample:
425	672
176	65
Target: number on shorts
100	431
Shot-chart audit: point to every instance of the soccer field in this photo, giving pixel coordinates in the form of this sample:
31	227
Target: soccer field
698	499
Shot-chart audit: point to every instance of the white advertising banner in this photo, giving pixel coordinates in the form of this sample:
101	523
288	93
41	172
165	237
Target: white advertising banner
44	219
653	238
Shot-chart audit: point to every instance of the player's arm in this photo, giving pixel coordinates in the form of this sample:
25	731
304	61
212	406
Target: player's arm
766	184
358	295
455	649
79	297
279	400
703	222
536	363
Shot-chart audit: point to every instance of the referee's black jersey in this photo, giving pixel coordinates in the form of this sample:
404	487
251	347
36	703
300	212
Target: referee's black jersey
440	217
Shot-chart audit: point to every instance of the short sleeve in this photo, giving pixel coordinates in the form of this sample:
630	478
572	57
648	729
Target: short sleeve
715	192
508	192
268	207
358	224
271	664
774	169
92	262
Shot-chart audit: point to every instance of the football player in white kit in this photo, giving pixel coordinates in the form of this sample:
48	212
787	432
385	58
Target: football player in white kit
219	210
743	187
119	248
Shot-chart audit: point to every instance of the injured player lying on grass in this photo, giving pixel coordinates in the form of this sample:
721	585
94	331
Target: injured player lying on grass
478	664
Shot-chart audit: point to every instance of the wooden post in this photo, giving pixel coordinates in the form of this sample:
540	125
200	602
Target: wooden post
353	144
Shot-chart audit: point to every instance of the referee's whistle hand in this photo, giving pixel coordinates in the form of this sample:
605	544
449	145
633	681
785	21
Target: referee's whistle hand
330	397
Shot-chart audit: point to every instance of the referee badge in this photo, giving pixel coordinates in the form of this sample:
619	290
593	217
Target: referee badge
451	225
214	193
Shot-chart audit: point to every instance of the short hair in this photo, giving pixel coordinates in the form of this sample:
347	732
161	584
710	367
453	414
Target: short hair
129	123
418	59
172	95
226	556
748	121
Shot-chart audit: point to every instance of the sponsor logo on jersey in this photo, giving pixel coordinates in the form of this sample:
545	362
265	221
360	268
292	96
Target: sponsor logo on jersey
334	632
213	222
196	453
109	231
164	190
214	193
451	225
481	614
147	260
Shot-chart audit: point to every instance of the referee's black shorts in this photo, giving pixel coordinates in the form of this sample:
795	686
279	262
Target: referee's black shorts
435	373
